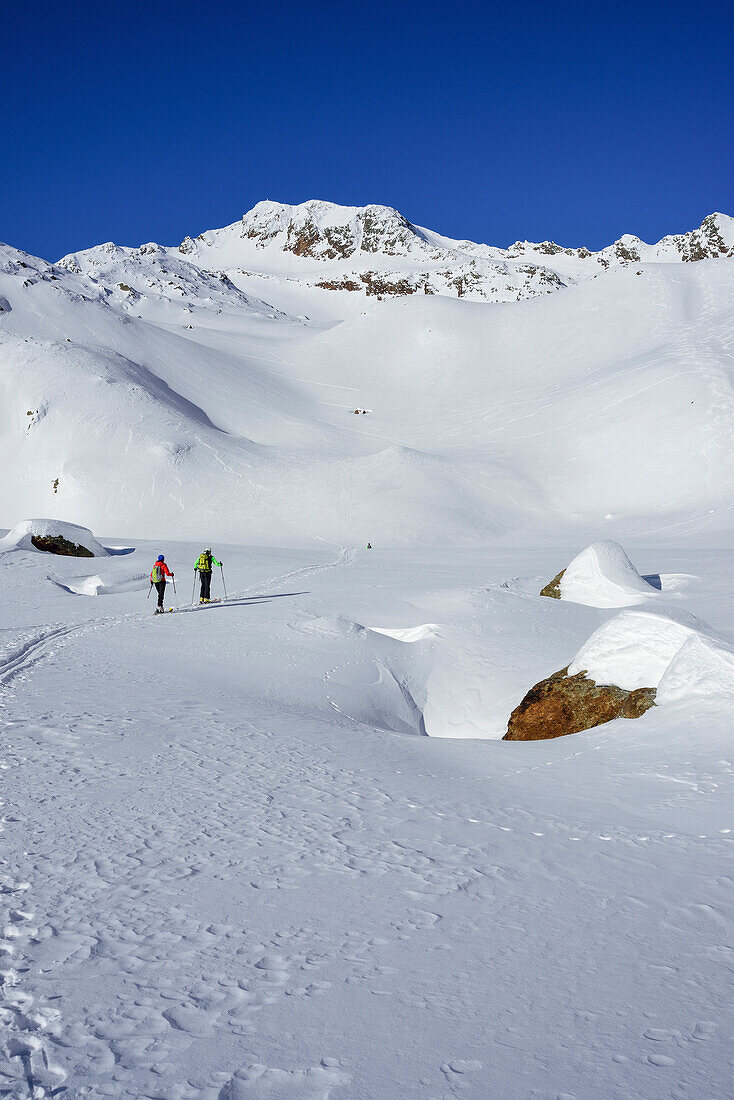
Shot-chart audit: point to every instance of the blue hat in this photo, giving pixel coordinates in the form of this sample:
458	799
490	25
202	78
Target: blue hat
160	558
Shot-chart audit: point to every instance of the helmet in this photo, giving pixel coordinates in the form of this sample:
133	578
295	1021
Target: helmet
208	550
160	558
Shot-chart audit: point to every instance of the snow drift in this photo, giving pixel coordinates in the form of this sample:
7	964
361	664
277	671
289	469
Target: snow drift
701	669
641	649
100	585
603	576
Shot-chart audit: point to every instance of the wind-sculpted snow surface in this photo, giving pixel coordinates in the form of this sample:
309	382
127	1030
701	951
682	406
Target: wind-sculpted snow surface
315	1083
632	650
218	885
98	585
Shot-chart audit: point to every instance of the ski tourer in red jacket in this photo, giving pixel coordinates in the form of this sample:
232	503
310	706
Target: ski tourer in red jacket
158	575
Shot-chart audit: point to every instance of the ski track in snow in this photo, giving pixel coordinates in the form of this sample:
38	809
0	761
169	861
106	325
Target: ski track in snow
346	557
22	658
196	887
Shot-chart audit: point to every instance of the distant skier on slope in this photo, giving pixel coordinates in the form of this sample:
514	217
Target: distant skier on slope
203	567
158	575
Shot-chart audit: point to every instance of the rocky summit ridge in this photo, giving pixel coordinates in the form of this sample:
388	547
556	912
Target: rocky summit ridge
373	251
325	231
714	239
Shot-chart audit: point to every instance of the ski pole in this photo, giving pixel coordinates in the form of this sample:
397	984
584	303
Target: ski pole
193	586
224	585
149	592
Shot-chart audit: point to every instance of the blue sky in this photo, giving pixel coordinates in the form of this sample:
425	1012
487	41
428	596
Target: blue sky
493	121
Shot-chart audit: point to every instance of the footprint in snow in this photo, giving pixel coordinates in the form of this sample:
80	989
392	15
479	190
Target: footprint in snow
661	1060
703	1030
658	1034
272	969
191	1020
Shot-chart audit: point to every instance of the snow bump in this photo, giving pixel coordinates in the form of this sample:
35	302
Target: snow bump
603	576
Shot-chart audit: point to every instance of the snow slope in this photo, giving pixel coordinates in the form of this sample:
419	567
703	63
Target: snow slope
604	408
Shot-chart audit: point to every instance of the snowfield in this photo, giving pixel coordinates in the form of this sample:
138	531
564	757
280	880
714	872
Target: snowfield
232	869
275	846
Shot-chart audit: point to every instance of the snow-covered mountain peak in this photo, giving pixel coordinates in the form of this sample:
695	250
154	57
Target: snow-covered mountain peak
14	261
320	260
277	250
154	277
318	230
367	251
713	238
29	281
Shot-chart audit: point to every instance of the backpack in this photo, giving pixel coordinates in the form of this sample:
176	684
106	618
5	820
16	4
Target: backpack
157	574
204	564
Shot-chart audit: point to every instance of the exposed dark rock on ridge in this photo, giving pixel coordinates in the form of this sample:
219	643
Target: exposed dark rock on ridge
553	588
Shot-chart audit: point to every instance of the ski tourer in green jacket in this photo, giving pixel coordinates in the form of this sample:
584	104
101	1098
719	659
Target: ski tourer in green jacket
204	564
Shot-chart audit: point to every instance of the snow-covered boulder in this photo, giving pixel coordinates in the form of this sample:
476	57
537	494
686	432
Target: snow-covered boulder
600	576
634	660
53	536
